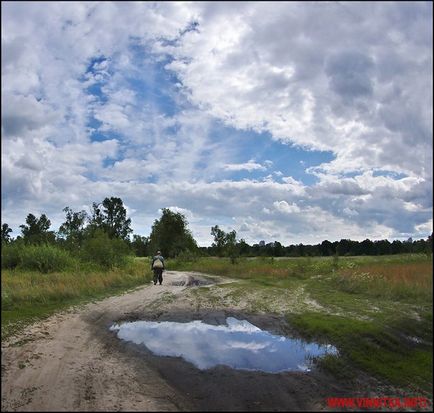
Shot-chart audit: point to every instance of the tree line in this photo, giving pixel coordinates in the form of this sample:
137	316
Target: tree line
107	228
225	244
106	225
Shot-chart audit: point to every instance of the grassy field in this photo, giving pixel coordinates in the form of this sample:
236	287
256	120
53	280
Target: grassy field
30	295
376	310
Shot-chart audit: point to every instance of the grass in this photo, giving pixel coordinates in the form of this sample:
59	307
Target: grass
28	296
376	310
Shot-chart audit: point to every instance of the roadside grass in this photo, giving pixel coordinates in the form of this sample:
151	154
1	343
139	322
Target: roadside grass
28	296
376	310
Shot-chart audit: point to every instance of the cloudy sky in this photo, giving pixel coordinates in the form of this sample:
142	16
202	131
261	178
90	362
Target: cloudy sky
288	121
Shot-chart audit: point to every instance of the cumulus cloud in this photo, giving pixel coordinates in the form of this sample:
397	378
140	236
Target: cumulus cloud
248	166
129	99
305	85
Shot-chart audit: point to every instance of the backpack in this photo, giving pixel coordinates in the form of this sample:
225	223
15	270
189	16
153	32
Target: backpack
157	264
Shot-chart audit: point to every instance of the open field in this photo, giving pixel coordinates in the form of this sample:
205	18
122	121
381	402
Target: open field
376	310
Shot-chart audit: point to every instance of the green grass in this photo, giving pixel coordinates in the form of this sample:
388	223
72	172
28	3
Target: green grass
28	296
380	349
376	310
370	307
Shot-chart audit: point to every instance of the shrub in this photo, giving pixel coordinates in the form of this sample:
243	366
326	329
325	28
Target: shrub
104	251
188	256
11	255
45	258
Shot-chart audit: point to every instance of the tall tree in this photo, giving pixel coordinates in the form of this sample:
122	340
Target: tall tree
219	240
326	248
73	228
243	247
36	230
225	243
111	217
6	230
139	245
170	234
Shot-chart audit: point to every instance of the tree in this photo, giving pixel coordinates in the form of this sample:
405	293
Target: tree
111	217
170	234
326	248
140	245
231	246
219	240
366	247
105	251
73	228
429	244
36	230
243	247
225	243
5	233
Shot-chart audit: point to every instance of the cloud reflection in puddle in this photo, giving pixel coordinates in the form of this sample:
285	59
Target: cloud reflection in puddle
239	345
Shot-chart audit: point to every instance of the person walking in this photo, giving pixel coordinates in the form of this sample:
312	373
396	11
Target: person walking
157	265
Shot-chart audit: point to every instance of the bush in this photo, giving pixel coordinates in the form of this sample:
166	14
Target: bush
188	256
11	255
45	258
104	251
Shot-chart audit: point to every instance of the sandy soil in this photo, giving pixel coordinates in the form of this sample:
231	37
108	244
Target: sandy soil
72	362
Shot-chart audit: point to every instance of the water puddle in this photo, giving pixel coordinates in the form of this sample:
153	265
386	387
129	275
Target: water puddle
239	345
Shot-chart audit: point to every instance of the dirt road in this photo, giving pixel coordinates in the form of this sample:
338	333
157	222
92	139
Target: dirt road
72	362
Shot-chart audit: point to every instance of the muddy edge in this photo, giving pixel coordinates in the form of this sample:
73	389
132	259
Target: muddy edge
223	388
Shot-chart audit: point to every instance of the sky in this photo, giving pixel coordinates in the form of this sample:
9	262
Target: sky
284	121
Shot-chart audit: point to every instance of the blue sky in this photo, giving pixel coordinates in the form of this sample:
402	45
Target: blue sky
243	115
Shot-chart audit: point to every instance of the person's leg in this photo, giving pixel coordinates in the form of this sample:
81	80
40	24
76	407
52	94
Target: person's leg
155	277
160	276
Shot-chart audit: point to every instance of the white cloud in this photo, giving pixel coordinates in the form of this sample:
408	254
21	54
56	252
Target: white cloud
282	76
358	83
283	206
248	166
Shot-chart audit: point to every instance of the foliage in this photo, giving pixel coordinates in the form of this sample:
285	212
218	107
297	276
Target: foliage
188	256
105	251
139	246
11	254
225	244
5	233
36	230
344	247
37	257
111	217
72	230
170	234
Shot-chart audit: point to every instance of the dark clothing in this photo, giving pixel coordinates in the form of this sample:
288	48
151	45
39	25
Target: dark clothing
158	272
158	275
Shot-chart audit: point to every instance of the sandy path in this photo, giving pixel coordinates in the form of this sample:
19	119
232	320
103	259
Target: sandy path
61	365
72	362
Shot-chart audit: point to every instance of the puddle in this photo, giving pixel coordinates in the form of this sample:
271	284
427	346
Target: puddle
239	345
190	282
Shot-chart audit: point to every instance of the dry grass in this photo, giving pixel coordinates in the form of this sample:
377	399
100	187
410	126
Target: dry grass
394	280
415	273
30	287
